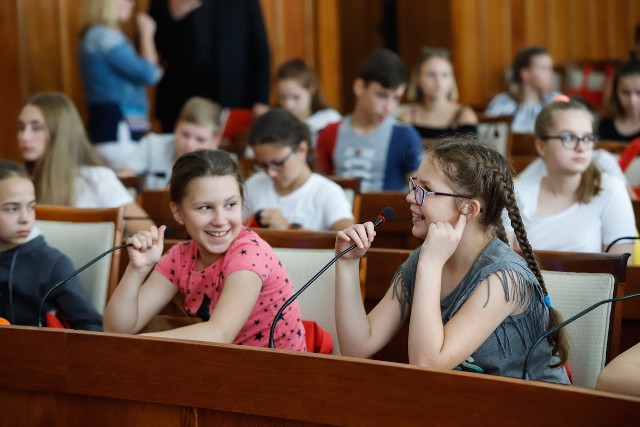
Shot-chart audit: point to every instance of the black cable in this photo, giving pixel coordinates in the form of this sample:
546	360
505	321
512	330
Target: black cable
386	215
72	275
621	238
525	368
278	315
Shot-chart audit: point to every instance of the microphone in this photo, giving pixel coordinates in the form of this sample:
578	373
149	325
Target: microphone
74	274
525	368
385	215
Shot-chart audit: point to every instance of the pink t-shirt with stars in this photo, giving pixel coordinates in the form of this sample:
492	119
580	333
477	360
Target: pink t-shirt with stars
202	288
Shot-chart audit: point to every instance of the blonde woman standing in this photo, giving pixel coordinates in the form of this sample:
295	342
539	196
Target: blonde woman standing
114	77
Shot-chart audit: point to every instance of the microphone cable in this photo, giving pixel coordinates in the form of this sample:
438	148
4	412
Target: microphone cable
525	368
75	273
619	239
386	215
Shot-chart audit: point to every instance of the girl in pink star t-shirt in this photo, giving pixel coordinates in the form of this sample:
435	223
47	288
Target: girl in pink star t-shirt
228	275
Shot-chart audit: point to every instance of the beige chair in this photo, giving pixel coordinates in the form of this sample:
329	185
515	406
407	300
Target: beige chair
82	235
496	131
317	302
588	336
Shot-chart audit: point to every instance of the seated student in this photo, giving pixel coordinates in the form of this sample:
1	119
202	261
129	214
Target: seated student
622	374
198	127
64	167
622	122
434	112
286	193
370	143
574	198
472	303
29	267
299	93
217	271
531	88
604	161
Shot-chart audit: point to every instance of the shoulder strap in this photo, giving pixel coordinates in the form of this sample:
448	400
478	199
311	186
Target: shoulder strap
414	113
456	117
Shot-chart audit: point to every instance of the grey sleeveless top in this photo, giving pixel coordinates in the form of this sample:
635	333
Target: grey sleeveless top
504	351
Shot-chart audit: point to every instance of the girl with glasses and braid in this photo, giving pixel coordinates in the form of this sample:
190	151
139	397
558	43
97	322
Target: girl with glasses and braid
472	303
575	198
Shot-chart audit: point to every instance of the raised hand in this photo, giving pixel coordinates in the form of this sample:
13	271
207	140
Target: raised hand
359	234
442	240
147	247
273	218
181	8
146	25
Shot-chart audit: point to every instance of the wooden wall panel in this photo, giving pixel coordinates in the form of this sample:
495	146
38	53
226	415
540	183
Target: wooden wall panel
429	29
41	45
39	41
359	23
307	29
572	30
465	49
558	28
327	36
10	75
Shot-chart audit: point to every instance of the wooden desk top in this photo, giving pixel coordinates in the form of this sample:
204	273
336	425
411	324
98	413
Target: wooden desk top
59	377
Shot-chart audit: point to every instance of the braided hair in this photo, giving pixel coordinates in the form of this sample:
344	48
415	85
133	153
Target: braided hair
490	181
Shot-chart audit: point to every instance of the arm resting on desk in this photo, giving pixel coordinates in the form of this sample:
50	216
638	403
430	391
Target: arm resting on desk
622	375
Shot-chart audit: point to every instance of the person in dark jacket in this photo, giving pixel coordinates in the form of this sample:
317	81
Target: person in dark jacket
216	49
29	267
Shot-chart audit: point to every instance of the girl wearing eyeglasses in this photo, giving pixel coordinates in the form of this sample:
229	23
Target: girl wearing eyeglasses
472	303
285	193
576	207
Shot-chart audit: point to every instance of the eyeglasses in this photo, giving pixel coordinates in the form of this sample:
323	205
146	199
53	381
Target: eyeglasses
420	193
272	166
571	141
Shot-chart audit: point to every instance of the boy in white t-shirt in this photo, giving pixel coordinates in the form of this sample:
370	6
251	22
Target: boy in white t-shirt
198	127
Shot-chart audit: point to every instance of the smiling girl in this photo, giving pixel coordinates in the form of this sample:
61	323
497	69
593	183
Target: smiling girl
472	303
229	276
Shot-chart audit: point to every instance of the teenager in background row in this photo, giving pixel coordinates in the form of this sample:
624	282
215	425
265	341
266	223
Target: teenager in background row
530	88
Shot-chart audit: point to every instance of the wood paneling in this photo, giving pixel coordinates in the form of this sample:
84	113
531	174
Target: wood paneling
10	75
487	33
359	24
328	44
39	40
307	29
430	29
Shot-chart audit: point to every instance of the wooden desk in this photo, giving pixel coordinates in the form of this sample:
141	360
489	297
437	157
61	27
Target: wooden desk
62	377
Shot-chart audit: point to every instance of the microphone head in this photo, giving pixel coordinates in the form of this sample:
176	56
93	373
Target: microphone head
387	213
